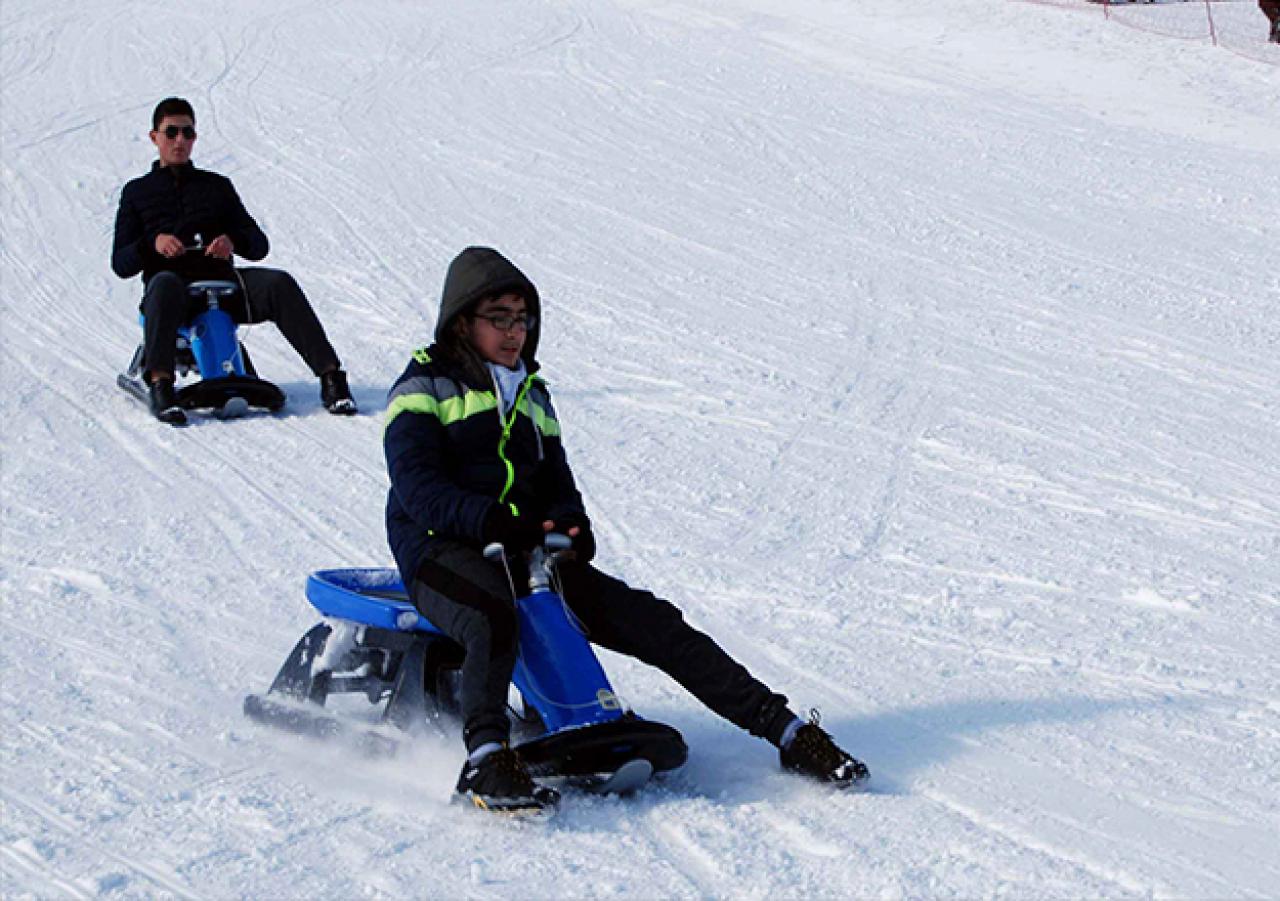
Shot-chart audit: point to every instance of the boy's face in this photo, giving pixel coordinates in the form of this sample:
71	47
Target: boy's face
486	334
174	137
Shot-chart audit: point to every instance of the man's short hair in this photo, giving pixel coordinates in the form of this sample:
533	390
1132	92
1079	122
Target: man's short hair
171	106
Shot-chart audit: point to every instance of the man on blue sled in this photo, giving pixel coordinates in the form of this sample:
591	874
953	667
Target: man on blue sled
179	224
475	456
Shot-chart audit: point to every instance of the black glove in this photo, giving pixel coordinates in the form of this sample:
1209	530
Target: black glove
584	543
515	533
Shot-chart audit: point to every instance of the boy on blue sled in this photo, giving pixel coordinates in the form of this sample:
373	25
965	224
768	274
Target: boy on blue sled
474	453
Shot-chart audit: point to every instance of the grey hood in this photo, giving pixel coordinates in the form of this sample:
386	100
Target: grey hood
480	272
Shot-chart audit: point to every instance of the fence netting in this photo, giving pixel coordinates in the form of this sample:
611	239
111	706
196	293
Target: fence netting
1243	26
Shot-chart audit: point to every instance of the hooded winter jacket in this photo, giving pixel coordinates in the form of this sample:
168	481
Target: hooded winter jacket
185	202
451	454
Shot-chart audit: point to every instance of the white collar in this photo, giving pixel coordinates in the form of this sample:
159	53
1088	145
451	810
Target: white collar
508	382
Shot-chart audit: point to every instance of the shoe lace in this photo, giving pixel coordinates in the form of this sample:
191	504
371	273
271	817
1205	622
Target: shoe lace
817	744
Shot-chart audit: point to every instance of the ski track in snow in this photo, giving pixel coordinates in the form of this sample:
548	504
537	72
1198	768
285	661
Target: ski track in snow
915	353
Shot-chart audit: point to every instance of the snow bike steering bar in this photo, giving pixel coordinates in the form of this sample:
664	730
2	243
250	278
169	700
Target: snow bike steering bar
213	290
542	559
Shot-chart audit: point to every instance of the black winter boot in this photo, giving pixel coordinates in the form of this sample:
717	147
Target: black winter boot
812	753
501	783
164	406
335	395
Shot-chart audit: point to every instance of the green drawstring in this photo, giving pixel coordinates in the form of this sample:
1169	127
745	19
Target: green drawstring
507	424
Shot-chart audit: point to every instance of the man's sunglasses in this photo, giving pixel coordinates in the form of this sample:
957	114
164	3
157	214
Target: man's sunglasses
172	131
505	322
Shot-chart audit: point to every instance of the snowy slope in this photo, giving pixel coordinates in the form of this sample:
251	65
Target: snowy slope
927	355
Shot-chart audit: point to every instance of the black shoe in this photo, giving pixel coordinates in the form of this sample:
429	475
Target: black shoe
812	753
335	395
164	405
501	783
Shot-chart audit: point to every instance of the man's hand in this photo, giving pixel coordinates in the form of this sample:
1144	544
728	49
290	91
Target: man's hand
169	246
220	247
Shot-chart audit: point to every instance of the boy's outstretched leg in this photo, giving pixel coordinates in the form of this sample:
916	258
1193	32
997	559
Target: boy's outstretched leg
644	626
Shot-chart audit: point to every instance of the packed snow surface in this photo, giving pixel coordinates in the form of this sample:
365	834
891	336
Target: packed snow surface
927	355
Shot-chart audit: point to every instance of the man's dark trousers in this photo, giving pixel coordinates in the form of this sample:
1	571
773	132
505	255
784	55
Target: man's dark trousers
267	295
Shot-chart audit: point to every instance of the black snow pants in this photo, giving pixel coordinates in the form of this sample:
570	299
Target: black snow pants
267	295
468	598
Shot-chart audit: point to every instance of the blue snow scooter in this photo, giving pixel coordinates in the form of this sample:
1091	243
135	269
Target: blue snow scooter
569	727
228	383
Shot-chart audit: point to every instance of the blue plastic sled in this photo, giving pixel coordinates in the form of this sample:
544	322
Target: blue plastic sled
209	346
375	642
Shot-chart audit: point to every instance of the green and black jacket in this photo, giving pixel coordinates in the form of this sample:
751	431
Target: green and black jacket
451	453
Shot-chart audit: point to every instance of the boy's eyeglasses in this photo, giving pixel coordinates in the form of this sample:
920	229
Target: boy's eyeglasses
187	131
505	322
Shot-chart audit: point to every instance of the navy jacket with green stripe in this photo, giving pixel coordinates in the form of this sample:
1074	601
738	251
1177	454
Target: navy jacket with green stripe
450	464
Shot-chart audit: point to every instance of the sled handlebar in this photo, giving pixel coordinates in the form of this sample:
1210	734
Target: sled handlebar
542	559
212	290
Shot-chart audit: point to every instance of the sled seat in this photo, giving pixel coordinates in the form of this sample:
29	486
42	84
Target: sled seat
369	596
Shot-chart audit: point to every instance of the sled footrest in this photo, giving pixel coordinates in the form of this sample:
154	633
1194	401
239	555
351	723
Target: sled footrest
604	748
218	393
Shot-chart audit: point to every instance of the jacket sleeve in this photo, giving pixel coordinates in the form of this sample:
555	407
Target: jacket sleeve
248	239
415	444
131	244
